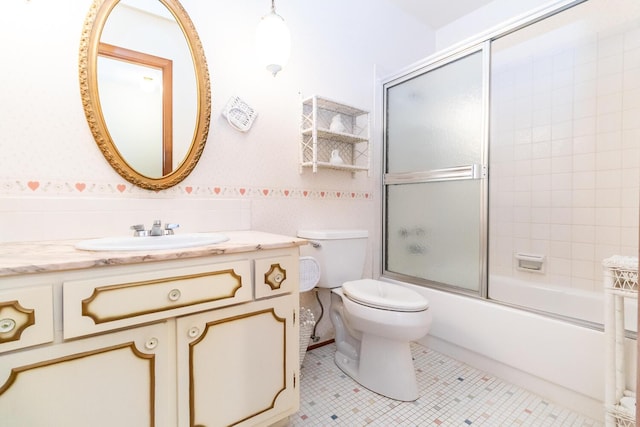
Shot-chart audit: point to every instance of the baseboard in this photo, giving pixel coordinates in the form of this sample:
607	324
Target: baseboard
320	344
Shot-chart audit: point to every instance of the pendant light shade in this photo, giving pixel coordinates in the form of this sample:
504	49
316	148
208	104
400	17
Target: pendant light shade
273	41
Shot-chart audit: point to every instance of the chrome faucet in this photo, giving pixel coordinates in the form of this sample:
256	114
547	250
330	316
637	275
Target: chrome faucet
156	229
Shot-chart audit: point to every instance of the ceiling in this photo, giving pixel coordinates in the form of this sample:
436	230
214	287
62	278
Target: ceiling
438	13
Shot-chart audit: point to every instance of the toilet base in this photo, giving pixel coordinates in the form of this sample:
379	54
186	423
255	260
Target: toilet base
386	368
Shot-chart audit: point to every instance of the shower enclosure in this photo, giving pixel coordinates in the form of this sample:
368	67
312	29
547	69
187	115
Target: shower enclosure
435	176
512	167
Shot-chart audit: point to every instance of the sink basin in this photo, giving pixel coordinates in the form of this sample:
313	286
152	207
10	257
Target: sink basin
131	243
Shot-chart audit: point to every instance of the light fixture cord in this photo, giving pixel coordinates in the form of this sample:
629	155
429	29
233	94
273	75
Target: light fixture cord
273	6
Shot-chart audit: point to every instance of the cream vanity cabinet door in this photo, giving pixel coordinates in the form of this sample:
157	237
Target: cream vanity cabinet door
120	379
276	275
239	365
110	302
26	317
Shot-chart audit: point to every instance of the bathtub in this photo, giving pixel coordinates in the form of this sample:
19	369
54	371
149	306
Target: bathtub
557	300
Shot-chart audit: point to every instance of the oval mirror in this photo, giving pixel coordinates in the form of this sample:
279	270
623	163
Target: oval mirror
145	89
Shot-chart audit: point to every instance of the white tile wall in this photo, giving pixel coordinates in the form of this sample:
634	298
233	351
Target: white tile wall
565	153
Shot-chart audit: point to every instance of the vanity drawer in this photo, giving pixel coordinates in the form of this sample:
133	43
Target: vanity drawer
276	275
107	303
26	317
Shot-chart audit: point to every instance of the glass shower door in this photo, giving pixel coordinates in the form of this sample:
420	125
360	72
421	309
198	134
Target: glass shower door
435	178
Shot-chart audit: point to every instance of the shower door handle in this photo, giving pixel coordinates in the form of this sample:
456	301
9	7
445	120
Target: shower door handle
473	171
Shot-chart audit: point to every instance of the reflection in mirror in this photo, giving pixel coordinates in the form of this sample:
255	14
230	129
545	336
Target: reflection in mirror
154	136
136	96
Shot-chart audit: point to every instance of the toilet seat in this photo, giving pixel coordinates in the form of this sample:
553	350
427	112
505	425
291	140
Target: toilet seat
383	295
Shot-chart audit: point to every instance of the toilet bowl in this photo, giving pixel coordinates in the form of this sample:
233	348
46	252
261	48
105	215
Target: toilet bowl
374	321
373	343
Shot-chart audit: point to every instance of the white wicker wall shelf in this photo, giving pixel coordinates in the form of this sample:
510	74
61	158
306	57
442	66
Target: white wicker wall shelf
620	282
320	138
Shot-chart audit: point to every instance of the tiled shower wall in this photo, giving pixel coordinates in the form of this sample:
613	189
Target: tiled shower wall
565	149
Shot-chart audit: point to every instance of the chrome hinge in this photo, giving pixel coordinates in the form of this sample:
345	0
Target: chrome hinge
294	317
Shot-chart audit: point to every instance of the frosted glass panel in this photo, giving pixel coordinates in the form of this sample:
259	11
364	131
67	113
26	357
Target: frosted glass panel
433	226
435	120
433	232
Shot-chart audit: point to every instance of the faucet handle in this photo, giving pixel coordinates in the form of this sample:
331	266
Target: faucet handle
138	230
169	227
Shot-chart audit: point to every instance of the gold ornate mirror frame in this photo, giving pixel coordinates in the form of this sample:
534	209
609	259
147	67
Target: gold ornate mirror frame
89	45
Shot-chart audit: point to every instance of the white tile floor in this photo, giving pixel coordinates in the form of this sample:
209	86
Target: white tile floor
451	394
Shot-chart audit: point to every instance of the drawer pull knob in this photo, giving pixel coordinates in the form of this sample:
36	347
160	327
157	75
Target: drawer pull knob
151	343
275	277
174	295
7	325
193	332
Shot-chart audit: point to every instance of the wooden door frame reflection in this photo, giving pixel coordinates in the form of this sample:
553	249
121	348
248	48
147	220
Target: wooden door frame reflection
166	67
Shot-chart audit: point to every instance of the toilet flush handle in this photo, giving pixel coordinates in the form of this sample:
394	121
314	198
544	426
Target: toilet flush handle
314	244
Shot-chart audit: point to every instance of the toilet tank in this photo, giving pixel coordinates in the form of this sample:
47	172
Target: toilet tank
340	253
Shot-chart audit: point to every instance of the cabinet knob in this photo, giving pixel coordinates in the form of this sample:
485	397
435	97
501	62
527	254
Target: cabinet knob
275	276
174	295
7	325
193	332
151	343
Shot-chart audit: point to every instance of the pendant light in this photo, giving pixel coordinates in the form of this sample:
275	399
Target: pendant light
273	41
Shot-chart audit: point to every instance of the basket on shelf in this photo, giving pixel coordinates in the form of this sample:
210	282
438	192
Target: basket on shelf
621	273
307	322
620	417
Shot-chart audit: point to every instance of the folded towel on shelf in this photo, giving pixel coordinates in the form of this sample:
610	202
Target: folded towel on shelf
621	261
628	404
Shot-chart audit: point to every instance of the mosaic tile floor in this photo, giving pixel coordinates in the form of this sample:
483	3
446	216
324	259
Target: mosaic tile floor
451	394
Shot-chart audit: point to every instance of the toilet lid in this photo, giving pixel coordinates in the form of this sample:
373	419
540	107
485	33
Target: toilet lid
388	296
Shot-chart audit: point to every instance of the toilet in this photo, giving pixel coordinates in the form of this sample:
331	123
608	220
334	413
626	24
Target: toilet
374	321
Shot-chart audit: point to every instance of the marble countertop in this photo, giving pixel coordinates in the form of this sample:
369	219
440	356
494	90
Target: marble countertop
49	256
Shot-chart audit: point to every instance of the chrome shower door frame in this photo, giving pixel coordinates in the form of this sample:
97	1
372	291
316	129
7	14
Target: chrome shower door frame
474	171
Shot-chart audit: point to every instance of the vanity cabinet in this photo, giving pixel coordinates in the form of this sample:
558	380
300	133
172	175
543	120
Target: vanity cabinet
209	341
333	136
